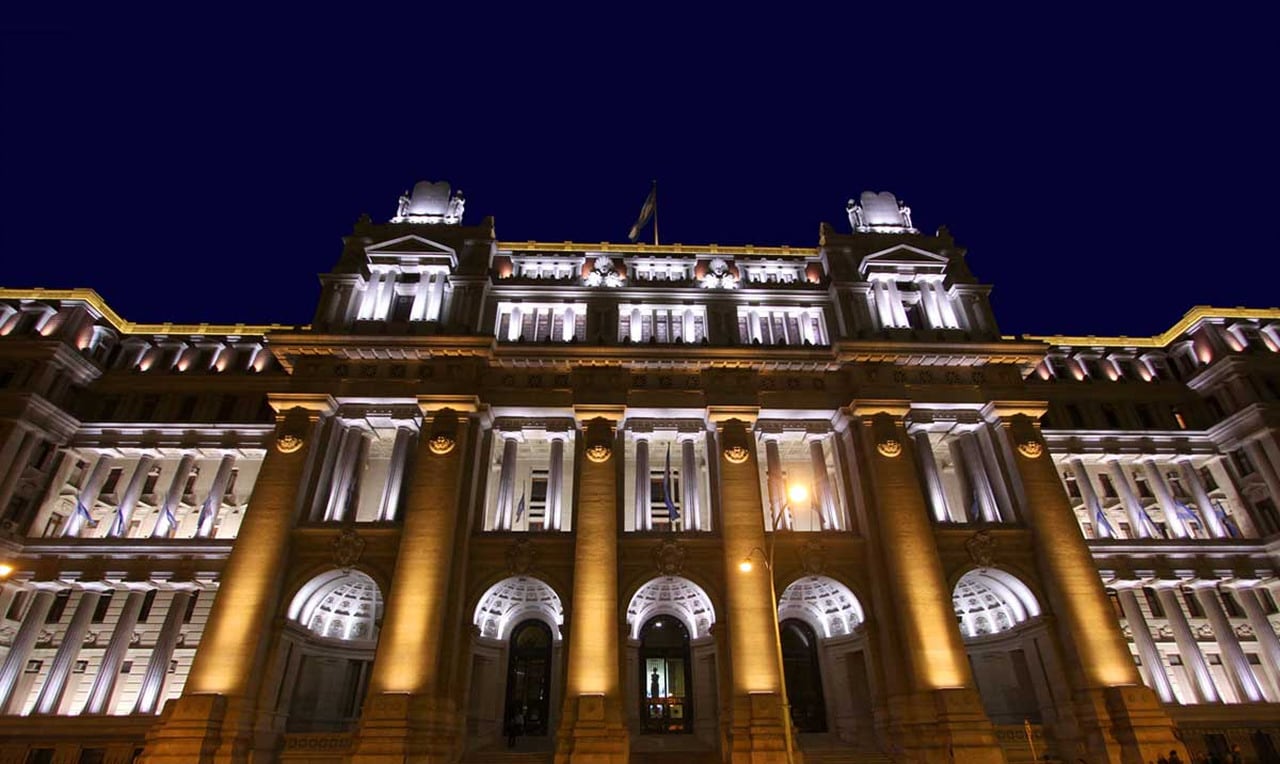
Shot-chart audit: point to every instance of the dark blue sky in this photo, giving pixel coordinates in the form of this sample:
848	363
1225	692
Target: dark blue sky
1107	169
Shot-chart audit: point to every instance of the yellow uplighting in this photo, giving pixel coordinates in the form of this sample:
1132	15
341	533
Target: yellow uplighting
746	566
797	493
5	569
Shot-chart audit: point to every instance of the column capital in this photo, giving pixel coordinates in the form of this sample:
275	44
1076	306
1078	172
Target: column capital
586	413
1202	583
720	415
460	404
1005	411
870	407
316	405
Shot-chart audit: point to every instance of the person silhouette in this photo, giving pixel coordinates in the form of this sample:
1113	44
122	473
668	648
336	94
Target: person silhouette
653	684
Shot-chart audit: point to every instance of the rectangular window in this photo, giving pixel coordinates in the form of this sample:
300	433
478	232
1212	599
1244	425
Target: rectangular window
1153	603
658	512
1143	489
1230	605
113	480
149	484
191	607
18	605
1206	477
147	602
1108	488
539	481
1193	604
59	606
104	604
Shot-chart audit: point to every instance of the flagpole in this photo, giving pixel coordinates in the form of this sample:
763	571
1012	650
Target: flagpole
655	213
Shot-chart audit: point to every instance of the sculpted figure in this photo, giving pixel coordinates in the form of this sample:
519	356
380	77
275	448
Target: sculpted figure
403	207
855	214
905	211
456	205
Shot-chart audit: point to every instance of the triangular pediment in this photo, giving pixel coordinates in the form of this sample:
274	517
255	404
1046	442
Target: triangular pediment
903	256
414	248
410	245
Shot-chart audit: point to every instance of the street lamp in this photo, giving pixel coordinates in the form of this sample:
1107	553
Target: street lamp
795	494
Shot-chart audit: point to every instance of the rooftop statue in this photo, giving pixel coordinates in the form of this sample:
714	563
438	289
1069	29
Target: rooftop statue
430	203
879	213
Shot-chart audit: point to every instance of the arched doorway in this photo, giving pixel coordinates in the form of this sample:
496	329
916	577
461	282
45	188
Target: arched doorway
1010	653
804	676
328	644
528	696
826	662
669	621
515	664
665	665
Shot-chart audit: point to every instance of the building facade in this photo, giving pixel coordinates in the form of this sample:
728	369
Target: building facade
495	503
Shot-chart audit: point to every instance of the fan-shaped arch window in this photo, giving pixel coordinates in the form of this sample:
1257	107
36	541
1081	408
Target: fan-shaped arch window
989	601
516	599
824	603
339	605
674	596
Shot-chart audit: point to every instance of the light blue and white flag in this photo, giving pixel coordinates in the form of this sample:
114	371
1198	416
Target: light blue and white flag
673	512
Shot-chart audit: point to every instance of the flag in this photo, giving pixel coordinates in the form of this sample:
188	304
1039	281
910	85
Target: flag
1232	529
673	513
646	211
975	511
1100	520
167	517
1184	512
520	505
117	525
1151	524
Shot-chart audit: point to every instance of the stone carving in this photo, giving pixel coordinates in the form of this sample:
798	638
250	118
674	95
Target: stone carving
1031	449
879	213
736	454
889	448
441	443
599	453
719	276
668	556
347	547
291	432
813	558
981	547
430	203
604	274
520	557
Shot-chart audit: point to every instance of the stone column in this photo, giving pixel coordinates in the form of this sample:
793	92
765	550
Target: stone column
689	481
104	683
1264	632
1118	717
1247	686
1202	681
756	716
319	470
932	479
213	502
435	296
936	712
883	307
419	309
643	520
1001	483
158	665
1132	506
409	714
88	495
979	480
1207	514
1152	661
1091	503
55	683
215	715
20	649
777	498
9	482
591	722
1155	477
343	473
555	480
167	521
129	499
395	473
507	481
822	483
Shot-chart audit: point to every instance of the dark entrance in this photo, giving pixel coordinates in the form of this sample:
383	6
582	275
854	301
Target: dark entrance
804	678
665	679
528	679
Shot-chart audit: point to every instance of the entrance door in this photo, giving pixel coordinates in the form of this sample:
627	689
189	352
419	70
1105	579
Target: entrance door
665	678
804	678
528	679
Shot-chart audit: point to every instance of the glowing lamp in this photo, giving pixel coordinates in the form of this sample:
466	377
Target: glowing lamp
797	493
746	565
5	569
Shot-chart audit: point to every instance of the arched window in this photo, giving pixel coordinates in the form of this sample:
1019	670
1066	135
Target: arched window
528	696
666	702
803	675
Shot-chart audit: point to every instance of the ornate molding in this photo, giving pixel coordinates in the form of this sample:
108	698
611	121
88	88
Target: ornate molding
981	547
291	432
521	557
441	444
736	454
1032	449
890	448
813	558
347	547
668	556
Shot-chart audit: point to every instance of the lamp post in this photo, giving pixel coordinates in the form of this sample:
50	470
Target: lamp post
794	494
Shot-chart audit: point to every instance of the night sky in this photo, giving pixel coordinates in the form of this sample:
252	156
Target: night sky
1106	171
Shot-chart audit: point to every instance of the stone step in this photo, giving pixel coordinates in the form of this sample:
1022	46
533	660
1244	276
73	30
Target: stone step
508	757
